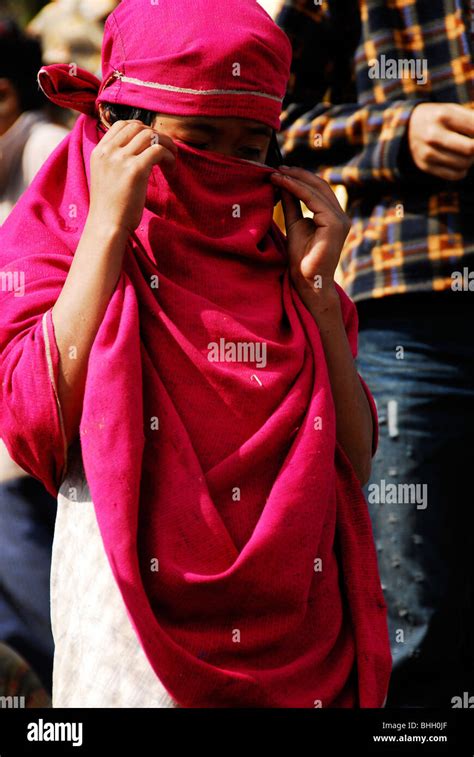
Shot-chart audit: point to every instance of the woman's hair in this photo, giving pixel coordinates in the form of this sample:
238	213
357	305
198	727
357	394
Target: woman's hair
127	112
20	59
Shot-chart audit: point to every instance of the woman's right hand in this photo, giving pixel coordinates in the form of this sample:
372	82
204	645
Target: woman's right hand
121	164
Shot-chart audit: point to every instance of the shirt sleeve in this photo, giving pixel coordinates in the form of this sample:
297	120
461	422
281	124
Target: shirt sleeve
330	120
349	144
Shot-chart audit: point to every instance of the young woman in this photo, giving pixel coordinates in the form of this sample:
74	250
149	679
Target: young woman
196	405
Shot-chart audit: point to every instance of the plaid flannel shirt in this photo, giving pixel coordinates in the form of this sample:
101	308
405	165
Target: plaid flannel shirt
410	230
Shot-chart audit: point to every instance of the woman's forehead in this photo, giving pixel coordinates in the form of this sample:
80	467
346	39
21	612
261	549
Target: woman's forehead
213	124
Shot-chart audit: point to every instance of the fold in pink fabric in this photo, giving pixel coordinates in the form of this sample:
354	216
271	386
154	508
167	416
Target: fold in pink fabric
70	87
233	522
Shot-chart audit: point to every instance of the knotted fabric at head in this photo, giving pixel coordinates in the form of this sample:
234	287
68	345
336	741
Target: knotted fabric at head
202	58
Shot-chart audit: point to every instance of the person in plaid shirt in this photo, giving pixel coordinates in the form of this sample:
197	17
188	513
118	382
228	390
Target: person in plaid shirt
381	101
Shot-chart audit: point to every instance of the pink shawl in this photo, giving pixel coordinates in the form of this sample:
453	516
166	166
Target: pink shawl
233	521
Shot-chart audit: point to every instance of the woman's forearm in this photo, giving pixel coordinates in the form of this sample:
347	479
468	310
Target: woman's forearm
121	164
79	310
354	425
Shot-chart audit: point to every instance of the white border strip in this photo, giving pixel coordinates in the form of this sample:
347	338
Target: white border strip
51	376
189	91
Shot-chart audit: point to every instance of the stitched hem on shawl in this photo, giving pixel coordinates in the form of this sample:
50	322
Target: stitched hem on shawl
189	91
49	360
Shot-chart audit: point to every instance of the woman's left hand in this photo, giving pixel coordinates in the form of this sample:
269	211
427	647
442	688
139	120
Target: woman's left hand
314	244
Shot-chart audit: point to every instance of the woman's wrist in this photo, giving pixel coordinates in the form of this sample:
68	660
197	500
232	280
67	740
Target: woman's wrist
107	231
320	297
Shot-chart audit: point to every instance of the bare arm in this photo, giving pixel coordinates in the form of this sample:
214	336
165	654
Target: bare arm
120	167
314	248
79	310
354	425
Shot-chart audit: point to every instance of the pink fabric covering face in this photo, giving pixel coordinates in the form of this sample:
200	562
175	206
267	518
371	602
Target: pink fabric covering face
232	520
192	57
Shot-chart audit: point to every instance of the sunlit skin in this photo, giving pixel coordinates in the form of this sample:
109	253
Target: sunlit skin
234	137
120	168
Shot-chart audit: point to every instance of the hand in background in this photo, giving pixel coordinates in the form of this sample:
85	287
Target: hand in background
441	139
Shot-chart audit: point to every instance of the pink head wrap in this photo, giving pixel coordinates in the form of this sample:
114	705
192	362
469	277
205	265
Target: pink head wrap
207	437
209	58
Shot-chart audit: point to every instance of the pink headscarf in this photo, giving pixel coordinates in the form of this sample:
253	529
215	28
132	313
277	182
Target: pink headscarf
184	57
208	428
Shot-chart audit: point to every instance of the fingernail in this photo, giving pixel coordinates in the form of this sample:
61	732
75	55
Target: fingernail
283	168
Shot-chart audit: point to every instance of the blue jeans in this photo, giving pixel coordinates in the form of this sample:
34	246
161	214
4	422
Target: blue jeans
416	353
27	516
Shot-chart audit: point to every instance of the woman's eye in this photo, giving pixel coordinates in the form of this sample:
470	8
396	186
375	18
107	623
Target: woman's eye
250	152
199	146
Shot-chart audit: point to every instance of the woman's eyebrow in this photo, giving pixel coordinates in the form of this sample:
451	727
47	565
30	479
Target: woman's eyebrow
265	130
202	126
213	129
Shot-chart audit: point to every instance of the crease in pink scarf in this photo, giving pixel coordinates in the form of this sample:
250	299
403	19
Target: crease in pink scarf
208	427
